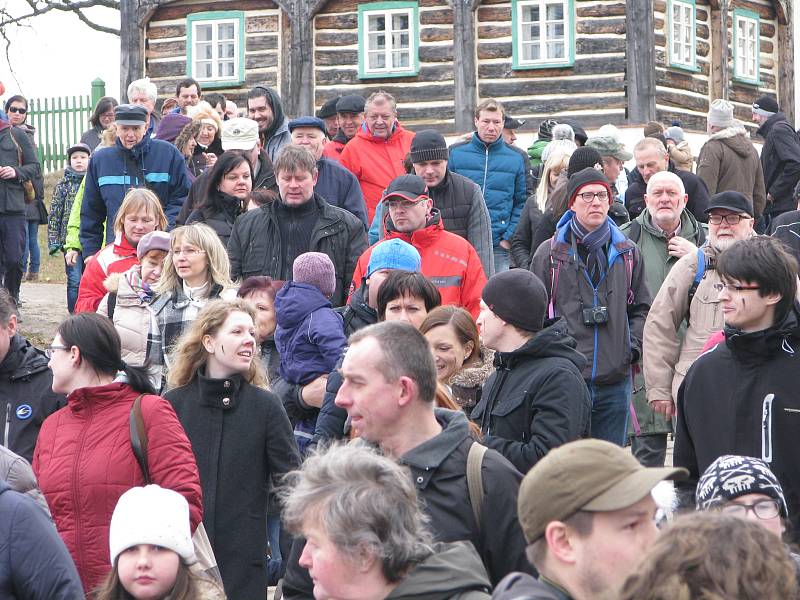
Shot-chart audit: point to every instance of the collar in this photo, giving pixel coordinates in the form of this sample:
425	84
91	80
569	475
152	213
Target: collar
481	144
427	236
196	293
559	591
428	456
219	393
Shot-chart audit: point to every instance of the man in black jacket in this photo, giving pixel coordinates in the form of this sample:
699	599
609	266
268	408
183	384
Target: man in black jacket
741	396
537	398
780	158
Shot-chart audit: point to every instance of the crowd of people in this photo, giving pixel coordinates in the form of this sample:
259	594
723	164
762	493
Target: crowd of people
333	354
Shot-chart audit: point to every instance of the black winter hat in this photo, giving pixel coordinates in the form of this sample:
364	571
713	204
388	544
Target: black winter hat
546	129
766	106
583	178
584	157
350	104
428	145
328	109
731	200
518	297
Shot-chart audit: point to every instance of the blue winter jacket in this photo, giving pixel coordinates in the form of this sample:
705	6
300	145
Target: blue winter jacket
499	171
113	171
34	562
310	335
340	188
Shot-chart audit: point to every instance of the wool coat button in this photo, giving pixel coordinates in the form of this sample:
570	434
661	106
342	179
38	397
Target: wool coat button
226	401
227	384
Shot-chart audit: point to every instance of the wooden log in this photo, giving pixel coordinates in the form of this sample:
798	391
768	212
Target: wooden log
611	10
439	92
434	114
167	69
339	21
269	79
659	24
660	6
767	29
165	49
335	39
572	103
432	3
593	46
165	31
435	54
261	42
701	32
766	47
701	14
718	50
592	65
261	61
641	61
682	80
689	122
785	71
167	12
329	58
340	6
702	48
494	50
600	26
261	24
436	17
487	32
494	13
465	86
682	101
565	86
435	34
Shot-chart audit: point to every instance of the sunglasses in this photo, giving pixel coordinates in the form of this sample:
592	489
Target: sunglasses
15	109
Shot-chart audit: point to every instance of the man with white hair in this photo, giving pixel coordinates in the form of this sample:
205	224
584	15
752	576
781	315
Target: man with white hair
665	232
728	160
145	93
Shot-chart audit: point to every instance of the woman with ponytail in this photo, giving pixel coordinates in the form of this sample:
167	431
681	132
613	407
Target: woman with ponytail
84	458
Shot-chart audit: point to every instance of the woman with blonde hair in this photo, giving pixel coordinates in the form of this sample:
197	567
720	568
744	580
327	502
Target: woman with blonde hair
139	214
195	271
209	143
240	434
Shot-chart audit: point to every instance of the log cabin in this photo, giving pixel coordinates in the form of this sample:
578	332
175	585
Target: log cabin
595	61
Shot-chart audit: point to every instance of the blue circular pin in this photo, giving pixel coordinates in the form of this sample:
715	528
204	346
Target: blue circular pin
24	411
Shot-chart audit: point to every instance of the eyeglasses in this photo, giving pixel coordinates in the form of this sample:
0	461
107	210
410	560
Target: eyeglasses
731	287
769	508
404	203
15	109
50	350
729	219
588	197
189	252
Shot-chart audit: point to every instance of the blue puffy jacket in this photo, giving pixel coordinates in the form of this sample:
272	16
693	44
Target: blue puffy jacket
113	171
310	335
499	171
34	562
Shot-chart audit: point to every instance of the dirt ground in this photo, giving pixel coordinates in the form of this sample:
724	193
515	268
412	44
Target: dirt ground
44	306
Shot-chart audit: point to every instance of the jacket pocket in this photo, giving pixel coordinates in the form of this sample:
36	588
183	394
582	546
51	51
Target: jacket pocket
514	403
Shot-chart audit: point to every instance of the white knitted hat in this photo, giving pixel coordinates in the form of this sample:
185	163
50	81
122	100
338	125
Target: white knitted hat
721	114
151	515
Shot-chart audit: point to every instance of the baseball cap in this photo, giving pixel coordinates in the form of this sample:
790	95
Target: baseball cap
410	187
79	147
590	475
510	122
731	200
608	146
394	254
239	134
130	114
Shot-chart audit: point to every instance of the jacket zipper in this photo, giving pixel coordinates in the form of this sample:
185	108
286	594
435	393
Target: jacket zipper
766	429
485	169
7	430
75	490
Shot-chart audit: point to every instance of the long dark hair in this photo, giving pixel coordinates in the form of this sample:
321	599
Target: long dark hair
185	586
227	162
100	346
105	103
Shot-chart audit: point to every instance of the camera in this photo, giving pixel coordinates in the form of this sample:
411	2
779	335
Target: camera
596	315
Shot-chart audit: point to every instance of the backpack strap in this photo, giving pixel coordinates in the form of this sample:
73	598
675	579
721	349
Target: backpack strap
139	437
635	231
698	277
628	258
555	270
475	479
112	305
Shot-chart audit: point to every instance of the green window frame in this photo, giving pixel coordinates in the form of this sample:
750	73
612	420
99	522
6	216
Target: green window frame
746	46
388	39
682	39
215	48
531	50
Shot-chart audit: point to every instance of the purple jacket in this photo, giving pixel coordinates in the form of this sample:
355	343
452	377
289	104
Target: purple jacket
310	335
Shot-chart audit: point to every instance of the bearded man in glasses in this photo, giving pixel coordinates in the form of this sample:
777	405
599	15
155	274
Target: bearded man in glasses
448	260
740	397
595	279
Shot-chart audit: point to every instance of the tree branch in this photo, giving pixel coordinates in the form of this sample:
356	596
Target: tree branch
40	7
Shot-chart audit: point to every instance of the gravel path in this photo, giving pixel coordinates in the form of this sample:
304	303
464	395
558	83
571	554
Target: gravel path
44	306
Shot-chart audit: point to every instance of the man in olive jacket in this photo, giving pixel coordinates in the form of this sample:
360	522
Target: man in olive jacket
266	241
665	231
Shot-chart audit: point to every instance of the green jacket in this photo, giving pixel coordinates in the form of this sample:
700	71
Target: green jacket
535	152
73	241
657	263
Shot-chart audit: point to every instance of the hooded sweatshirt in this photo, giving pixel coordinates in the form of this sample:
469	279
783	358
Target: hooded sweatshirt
277	135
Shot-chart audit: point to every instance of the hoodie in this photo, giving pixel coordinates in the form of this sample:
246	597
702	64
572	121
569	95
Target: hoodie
277	135
536	399
309	336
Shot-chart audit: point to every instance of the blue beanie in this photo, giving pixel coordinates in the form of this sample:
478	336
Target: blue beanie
394	254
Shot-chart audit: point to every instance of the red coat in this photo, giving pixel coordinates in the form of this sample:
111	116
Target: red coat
448	260
376	161
116	257
333	149
84	462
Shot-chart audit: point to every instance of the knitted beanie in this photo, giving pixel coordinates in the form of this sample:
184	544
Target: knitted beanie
731	476
151	515
394	254
562	131
170	126
765	106
428	145
315	268
674	133
546	129
584	157
720	114
583	178
518	297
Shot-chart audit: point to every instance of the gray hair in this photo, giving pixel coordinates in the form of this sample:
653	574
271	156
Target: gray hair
381	97
668	176
145	86
562	131
406	353
651	143
366	504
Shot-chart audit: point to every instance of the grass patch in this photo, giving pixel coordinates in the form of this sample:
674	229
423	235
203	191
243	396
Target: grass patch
52	267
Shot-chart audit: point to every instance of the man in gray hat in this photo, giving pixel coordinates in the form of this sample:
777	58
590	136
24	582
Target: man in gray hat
349	117
728	161
588	515
614	156
327	113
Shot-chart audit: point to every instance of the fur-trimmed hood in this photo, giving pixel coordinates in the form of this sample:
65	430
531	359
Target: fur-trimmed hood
111	283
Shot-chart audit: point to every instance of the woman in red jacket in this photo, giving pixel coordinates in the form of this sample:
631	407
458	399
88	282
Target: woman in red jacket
84	460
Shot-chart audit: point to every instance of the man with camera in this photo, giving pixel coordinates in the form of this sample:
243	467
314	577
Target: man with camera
595	279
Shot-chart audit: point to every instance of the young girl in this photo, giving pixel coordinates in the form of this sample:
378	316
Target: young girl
151	550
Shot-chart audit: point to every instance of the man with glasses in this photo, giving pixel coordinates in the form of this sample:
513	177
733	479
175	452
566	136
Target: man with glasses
448	260
687	295
596	280
741	396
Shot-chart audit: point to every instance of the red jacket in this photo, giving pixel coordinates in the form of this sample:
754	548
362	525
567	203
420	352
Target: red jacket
84	462
448	260
333	149
376	161
116	257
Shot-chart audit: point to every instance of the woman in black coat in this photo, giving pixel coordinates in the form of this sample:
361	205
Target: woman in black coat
240	434
227	191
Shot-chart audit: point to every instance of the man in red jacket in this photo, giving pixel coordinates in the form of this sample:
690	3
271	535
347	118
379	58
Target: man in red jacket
447	259
376	154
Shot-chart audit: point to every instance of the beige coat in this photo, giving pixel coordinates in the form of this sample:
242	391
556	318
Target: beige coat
132	318
681	155
666	355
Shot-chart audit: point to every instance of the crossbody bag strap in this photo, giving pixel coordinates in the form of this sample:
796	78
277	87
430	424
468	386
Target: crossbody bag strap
475	479
139	437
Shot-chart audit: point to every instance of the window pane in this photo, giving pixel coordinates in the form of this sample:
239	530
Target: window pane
225	31
399	40
555	50
204	51
555	31
555	11
376	23
400	21
225	50
530	33
203	70
377	42
531	51
203	33
400	60
530	14
377	60
225	69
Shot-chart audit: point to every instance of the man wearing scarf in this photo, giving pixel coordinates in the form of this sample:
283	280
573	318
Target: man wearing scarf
264	107
595	280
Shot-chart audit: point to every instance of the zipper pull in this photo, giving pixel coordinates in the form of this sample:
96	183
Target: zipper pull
766	429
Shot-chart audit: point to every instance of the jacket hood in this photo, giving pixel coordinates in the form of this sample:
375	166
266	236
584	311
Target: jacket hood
23	360
295	301
554	341
279	121
475	376
453	569
759	346
421	237
765	128
73	175
734	138
112	283
358	303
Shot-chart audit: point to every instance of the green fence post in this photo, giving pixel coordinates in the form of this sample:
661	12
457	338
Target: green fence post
98	90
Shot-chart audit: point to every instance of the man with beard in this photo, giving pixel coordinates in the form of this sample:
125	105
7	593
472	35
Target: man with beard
264	107
688	294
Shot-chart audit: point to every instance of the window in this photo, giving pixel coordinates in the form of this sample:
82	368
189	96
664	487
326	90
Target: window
215	42
746	46
542	32
388	35
681	34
